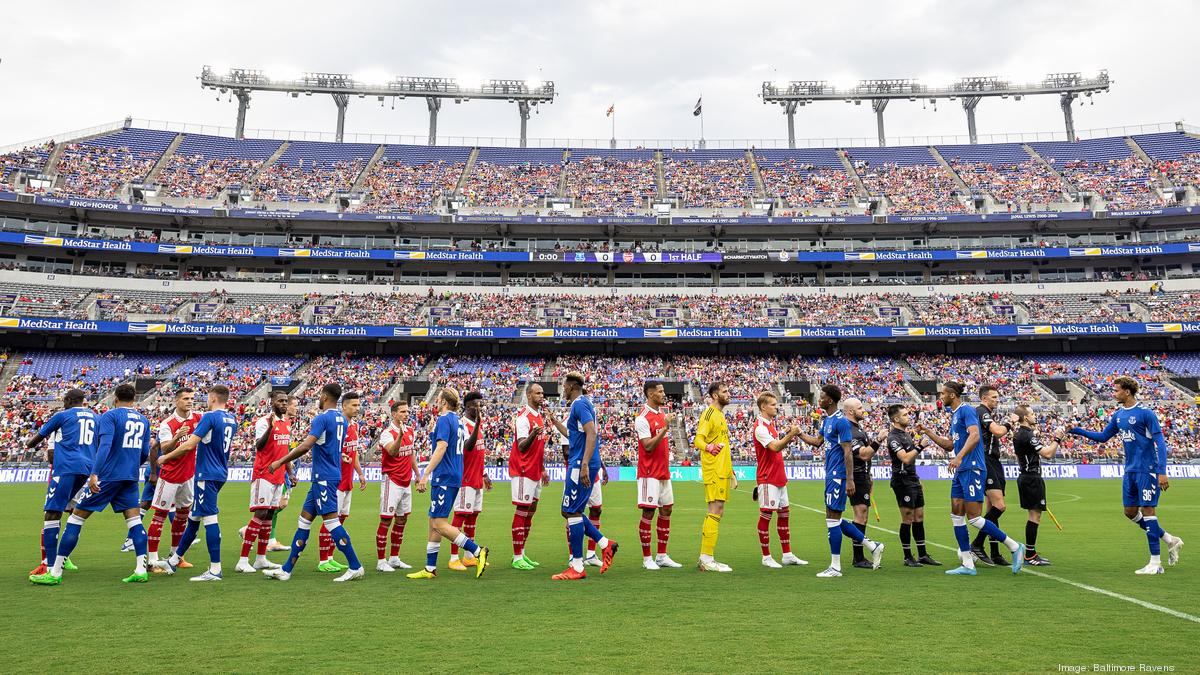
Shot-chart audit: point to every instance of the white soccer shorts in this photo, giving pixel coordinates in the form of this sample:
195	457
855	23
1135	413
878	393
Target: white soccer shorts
525	491
596	497
265	495
168	495
469	500
653	493
344	497
772	497
394	500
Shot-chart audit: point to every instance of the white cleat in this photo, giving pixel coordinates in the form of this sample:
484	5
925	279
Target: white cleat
722	567
207	576
127	546
876	555
592	560
383	566
768	561
791	559
277	574
244	567
399	564
165	566
712	566
829	573
242	532
1173	550
649	564
664	560
1151	568
274	546
351	575
265	564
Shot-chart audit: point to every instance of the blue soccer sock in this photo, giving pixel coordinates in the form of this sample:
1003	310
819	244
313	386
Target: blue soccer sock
298	542
212	538
1154	533
431	555
576	531
835	536
70	537
137	533
851	530
1140	521
467	544
341	539
992	530
50	530
964	540
187	538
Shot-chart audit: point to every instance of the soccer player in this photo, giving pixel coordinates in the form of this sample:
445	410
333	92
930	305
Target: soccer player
653	429
469	503
991	431
1030	452
716	470
72	431
595	504
211	441
527	470
836	436
910	495
772	481
325	436
966	490
444	473
272	438
289	479
1145	468
173	488
583	463
398	445
351	466
122	444
862	449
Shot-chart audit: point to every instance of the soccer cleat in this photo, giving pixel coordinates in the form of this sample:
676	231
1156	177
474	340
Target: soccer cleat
531	561
40	570
768	561
521	564
166	566
274	546
207	576
1036	560
569	574
422	574
72	567
383	566
279	574
242	532
909	562
610	552
329	567
136	578
863	565
1151	568
722	567
46	579
592	560
184	565
877	555
470	562
708	566
341	566
127	545
457	565
1000	561
1172	551
962	571
649	564
1018	560
265	564
791	559
399	564
244	567
982	558
482	561
829	573
929	561
351	575
664	560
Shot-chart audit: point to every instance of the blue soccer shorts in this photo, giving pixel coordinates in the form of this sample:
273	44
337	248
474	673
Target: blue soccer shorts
967	485
122	495
1139	489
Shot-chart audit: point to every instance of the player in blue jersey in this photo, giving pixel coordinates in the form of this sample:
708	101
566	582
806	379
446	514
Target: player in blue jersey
969	477
325	436
836	437
443	478
72	434
1145	468
122	444
211	440
583	464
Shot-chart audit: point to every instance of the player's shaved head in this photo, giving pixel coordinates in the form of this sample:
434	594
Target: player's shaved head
534	395
853	409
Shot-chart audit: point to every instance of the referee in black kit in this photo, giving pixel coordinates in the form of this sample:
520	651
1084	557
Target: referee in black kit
910	496
990	433
1031	487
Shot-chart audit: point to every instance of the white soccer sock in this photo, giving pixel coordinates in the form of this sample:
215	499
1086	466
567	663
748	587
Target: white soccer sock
706	558
967	558
835	561
577	564
215	568
602	544
261	558
1154	560
57	568
647	558
1012	545
516	558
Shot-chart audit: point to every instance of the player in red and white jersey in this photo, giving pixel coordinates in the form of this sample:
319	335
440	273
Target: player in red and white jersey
173	490
469	503
527	470
351	466
397	448
652	427
272	440
771	491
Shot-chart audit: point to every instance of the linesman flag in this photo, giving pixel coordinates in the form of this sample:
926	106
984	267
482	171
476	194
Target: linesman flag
611	109
699	105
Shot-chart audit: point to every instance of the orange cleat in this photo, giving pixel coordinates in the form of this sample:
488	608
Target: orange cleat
154	569
39	570
457	565
610	552
184	565
569	574
470	562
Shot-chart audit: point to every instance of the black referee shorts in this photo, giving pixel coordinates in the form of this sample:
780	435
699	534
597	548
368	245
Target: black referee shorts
862	491
995	474
1032	489
909	494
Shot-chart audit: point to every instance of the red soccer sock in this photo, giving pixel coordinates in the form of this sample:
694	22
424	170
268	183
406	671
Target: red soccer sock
644	533
178	525
42	545
469	525
381	536
664	533
784	531
154	533
591	547
457	521
764	531
324	544
252	529
397	537
520	524
264	535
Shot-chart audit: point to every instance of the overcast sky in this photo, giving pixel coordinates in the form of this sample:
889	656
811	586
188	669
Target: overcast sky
68	64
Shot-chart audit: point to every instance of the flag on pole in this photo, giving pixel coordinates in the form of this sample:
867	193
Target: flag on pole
611	109
696	111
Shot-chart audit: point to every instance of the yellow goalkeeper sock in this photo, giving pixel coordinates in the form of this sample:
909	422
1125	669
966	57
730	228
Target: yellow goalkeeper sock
708	533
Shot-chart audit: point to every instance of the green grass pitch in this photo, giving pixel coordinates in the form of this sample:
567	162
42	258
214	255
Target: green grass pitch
755	619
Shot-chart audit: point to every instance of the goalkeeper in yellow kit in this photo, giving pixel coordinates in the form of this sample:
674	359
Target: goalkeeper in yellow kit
716	470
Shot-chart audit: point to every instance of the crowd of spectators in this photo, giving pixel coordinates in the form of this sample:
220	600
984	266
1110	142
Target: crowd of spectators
1029	182
200	177
711	183
611	186
1181	172
31	159
100	172
1125	183
510	185
306	181
803	185
913	189
409	188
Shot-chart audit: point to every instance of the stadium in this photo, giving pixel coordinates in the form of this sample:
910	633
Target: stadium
202	323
